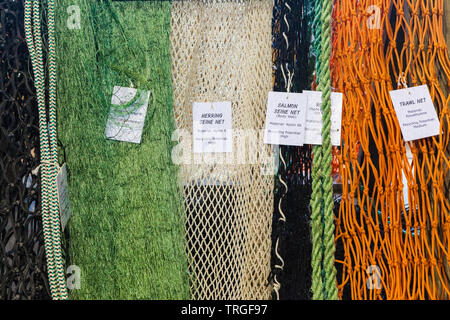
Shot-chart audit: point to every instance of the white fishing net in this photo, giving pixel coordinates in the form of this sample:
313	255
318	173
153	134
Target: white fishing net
221	51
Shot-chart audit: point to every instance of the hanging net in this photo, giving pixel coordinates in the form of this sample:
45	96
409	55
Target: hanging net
127	224
394	217
221	51
23	264
291	234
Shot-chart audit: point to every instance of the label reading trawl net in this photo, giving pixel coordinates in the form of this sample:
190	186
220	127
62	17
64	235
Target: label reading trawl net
63	195
285	119
212	126
415	112
127	114
313	131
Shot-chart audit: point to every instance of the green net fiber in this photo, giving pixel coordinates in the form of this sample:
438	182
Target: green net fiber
127	223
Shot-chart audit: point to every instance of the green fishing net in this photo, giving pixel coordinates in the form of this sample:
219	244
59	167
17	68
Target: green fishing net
127	225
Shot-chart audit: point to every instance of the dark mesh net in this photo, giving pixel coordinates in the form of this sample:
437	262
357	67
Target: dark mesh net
22	256
291	239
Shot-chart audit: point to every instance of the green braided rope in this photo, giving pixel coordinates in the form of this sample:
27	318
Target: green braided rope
316	195
327	180
48	143
316	225
53	149
324	273
43	145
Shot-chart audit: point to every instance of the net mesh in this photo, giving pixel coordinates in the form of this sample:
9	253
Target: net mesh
221	51
127	221
380	46
23	270
291	234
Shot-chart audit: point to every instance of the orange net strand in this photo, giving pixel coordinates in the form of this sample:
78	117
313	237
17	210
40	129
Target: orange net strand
393	222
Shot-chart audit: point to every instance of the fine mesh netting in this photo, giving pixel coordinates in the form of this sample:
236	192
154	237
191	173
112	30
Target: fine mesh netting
221	51
127	224
291	235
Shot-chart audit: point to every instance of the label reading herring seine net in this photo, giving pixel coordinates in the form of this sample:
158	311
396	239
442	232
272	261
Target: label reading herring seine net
415	112
63	195
285	119
313	130
127	114
212	127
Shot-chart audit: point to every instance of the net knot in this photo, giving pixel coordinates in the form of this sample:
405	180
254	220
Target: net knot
434	225
433	262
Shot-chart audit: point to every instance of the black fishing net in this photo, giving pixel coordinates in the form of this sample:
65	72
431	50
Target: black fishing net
23	270
291	239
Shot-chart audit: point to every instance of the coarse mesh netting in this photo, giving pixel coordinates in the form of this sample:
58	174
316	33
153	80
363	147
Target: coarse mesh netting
291	235
221	51
378	46
23	269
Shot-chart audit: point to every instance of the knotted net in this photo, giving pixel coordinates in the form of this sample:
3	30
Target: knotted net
394	249
291	231
127	225
221	51
23	268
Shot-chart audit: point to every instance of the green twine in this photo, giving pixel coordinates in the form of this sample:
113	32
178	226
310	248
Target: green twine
317	35
324	273
127	223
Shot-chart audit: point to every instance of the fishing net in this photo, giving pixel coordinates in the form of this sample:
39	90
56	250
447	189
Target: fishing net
391	234
291	234
23	269
127	224
221	51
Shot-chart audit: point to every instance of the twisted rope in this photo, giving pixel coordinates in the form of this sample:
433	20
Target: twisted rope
317	34
316	195
324	273
48	142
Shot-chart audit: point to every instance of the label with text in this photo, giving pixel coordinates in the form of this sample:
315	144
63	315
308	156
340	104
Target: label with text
63	195
415	113
313	130
212	127
127	114
285	119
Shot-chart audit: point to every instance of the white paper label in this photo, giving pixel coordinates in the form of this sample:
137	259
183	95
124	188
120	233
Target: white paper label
63	195
415	112
212	127
285	119
127	114
313	131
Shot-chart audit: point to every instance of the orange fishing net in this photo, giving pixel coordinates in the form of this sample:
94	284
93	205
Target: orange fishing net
393	222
